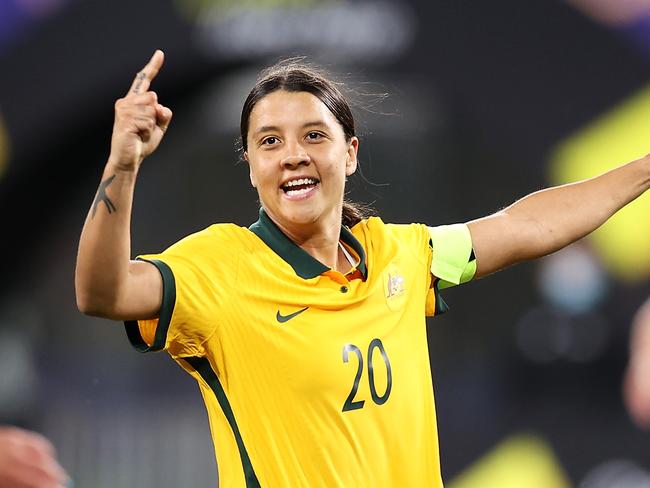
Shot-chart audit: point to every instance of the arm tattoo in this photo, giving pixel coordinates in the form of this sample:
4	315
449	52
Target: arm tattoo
103	197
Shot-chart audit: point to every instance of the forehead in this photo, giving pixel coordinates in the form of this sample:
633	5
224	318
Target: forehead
285	109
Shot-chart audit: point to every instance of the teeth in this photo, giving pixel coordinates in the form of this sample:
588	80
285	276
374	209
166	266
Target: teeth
302	181
302	191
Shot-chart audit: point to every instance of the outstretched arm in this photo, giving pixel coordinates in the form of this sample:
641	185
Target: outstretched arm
107	282
546	221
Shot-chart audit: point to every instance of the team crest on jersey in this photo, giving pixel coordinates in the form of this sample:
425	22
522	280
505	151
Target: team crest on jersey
394	287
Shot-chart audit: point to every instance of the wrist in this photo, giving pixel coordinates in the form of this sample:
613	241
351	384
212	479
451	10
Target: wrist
645	165
116	167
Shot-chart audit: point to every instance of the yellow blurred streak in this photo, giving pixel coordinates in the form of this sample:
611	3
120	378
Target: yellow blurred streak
523	460
4	148
618	136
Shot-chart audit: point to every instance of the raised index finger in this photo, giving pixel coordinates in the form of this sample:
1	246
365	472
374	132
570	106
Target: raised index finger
145	77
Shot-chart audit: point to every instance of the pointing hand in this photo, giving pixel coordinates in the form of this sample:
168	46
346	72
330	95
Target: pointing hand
140	121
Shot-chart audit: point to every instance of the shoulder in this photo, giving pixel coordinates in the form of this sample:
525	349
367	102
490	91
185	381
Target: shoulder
375	229
218	246
386	240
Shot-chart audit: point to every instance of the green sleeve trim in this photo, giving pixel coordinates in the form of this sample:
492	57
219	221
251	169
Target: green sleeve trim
164	317
453	260
202	366
441	305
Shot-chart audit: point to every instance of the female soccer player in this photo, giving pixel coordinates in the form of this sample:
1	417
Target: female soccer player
306	331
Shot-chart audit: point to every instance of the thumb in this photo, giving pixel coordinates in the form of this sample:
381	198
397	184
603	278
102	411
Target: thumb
163	117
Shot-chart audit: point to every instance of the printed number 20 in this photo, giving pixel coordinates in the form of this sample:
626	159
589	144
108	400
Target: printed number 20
350	403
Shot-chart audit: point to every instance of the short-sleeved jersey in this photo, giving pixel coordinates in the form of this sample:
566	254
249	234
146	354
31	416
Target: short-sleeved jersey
310	377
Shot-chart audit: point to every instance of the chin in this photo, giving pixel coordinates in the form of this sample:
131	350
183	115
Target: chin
301	216
300	213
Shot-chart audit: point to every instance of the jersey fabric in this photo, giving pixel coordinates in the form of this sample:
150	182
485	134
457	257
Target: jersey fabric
310	377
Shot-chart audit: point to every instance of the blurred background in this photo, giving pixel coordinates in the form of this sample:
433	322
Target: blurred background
487	101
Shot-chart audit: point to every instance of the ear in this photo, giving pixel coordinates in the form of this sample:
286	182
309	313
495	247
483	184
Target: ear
351	161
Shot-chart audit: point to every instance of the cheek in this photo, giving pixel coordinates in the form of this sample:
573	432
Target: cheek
338	169
259	171
336	178
266	183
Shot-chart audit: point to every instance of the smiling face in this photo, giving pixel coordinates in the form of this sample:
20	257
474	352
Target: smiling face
299	158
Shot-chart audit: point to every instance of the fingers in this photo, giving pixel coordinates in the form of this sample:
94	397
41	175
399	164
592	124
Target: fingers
163	116
147	98
143	79
140	121
39	444
136	107
637	392
43	474
28	459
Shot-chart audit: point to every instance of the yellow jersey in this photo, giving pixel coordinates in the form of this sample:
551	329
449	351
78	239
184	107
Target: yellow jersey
310	377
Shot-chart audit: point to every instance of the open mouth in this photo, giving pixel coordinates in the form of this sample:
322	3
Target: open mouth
299	187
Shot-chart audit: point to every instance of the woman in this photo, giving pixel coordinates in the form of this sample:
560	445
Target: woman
307	337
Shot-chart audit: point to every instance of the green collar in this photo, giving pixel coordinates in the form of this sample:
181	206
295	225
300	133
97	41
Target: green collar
300	260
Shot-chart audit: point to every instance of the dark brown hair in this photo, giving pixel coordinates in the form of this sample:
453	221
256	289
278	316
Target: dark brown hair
293	75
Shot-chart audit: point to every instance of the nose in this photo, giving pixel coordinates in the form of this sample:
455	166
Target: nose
295	156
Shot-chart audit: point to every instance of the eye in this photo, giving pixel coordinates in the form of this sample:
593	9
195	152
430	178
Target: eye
314	136
269	141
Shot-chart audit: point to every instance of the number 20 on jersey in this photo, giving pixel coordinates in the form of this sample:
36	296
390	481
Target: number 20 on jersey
350	402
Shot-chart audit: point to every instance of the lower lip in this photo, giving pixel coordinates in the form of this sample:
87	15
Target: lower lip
300	196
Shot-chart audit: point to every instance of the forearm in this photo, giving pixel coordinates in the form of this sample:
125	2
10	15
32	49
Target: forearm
546	221
105	244
553	218
107	282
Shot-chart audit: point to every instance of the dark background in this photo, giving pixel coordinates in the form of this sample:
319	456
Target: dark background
480	95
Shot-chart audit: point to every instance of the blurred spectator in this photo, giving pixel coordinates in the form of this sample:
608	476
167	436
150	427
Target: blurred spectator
28	460
637	377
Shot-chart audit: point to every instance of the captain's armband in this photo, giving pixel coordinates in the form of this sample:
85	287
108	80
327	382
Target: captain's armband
453	261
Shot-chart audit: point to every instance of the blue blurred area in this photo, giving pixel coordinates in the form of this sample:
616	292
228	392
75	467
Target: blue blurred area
12	21
480	93
19	17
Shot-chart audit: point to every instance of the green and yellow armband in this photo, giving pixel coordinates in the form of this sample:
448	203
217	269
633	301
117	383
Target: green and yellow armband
453	261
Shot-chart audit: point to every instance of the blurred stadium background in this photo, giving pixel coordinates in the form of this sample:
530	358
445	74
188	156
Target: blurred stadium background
488	101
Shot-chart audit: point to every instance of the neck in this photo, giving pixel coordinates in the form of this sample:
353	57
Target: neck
319	239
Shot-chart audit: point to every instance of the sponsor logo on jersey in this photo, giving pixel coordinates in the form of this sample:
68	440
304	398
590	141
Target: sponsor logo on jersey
285	318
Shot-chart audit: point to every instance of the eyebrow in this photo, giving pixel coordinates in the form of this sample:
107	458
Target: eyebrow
274	128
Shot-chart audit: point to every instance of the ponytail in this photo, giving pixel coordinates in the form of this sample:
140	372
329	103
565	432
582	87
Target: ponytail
354	212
